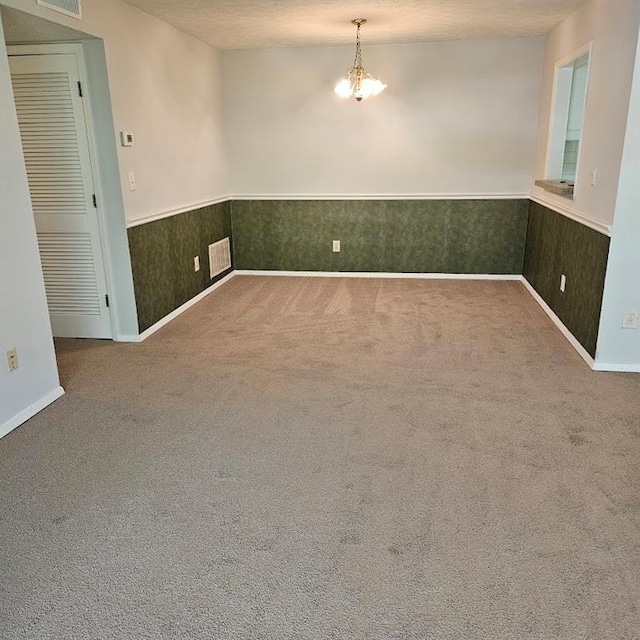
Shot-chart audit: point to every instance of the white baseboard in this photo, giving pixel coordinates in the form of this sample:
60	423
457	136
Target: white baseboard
30	411
582	352
125	337
181	309
620	368
380	274
632	368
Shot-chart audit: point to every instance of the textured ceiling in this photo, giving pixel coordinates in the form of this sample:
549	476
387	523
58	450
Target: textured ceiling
251	24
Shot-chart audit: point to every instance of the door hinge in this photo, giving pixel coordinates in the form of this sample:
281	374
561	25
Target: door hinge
106	299
79	88
95	202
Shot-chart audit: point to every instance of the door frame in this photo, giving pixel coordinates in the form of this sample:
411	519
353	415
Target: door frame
76	49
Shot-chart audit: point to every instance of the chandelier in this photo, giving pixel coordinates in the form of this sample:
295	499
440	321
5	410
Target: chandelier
358	83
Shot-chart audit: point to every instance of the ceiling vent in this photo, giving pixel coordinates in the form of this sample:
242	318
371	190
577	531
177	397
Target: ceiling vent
72	8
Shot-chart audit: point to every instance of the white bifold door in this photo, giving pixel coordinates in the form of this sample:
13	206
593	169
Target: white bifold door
49	103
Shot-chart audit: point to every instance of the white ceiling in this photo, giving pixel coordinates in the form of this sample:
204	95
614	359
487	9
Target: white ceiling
252	24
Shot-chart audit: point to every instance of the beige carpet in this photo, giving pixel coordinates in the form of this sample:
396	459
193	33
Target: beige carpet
328	458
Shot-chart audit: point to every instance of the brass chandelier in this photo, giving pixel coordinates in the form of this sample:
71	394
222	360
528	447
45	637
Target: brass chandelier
359	84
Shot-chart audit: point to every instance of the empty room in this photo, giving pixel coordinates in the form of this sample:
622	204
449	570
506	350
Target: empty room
320	319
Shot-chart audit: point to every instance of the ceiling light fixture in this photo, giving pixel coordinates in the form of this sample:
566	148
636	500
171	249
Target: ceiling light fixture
358	83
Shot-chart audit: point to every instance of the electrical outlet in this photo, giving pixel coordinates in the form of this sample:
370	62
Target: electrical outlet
336	246
630	320
196	263
594	177
132	181
12	359
563	282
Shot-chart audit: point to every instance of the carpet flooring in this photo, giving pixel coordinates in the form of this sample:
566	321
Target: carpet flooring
317	458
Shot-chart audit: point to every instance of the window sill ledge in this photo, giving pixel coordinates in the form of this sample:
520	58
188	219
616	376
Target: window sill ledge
562	188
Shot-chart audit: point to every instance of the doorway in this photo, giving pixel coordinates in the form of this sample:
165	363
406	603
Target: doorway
54	126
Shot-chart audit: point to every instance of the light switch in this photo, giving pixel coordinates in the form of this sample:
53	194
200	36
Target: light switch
126	139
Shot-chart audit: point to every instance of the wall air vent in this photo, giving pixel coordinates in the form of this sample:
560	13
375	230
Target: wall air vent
219	257
72	8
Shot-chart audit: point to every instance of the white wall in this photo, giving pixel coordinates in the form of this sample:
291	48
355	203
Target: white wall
618	347
24	319
457	118
166	89
613	28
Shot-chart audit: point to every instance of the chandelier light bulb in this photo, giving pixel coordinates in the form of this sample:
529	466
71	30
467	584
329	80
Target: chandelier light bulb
359	84
343	88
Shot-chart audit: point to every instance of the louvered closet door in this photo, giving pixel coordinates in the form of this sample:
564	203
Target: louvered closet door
56	152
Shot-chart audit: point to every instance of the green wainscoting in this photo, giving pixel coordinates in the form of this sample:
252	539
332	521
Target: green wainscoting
162	255
398	236
402	236
557	245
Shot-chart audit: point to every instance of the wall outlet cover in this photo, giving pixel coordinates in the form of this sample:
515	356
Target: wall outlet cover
12	359
336	246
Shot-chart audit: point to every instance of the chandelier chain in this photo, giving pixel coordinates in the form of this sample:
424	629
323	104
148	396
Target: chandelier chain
357	62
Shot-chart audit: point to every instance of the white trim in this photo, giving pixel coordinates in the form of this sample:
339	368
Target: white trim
101	210
578	182
621	368
582	352
30	411
126	337
181	309
381	196
45	49
573	215
151	217
380	274
578	53
562	131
